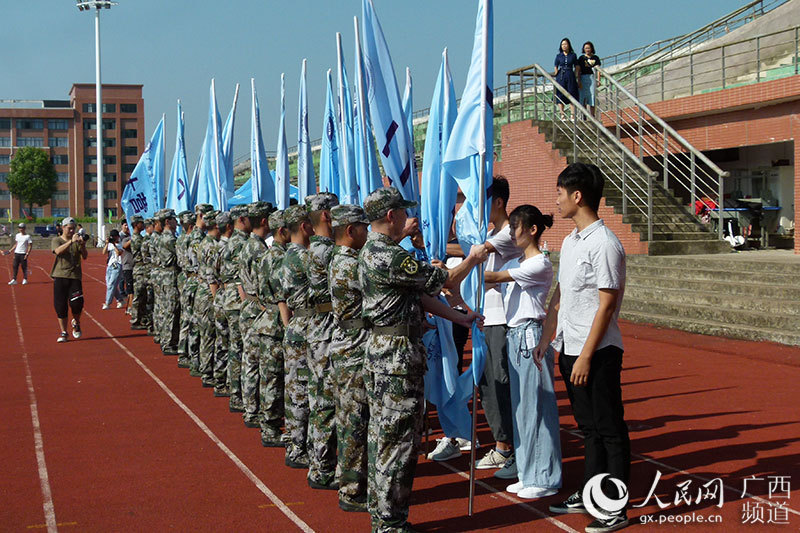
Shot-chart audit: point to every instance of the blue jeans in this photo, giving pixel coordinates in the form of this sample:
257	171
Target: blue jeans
112	287
537	442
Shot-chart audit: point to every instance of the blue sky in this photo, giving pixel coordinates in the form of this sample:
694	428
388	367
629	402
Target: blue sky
174	48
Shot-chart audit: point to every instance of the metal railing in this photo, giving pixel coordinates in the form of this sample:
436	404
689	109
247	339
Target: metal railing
683	168
535	91
712	30
760	58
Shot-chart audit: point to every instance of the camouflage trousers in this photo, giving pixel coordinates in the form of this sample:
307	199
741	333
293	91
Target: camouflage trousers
234	356
139	303
271	386
158	301
395	428
295	364
184	316
189	335
352	422
322	412
219	362
203	322
149	308
249	366
170	314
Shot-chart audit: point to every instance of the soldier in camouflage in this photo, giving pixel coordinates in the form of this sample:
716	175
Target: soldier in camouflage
155	276
186	221
229	276
149	295
252	308
168	272
219	368
207	284
321	404
295	287
347	350
397	290
139	275
191	269
270	325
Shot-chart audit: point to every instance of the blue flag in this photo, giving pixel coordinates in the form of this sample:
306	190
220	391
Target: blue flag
388	120
306	181
348	187
367	171
470	143
211	177
261	178
329	157
178	194
408	111
195	177
227	146
139	196
282	157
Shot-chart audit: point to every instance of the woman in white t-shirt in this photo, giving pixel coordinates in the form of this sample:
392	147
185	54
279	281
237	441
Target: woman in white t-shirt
113	252
533	399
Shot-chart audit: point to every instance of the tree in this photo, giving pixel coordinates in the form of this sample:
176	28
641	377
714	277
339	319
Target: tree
32	177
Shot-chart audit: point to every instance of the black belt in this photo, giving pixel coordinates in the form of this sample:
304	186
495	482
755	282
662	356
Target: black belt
402	330
326	307
356	324
304	311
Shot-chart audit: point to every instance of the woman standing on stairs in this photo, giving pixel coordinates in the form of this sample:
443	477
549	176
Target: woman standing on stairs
566	74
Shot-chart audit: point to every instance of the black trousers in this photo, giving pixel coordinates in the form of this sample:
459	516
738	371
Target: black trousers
67	293
20	260
598	411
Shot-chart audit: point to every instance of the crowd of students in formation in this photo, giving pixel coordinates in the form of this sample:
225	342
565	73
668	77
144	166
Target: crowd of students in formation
310	320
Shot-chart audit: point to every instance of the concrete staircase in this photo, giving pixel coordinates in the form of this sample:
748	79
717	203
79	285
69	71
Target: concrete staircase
676	230
750	295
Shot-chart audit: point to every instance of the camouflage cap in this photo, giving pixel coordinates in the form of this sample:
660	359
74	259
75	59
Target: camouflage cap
259	210
223	219
210	218
203	208
277	220
186	217
239	211
381	201
149	221
322	201
295	214
342	215
136	218
163	214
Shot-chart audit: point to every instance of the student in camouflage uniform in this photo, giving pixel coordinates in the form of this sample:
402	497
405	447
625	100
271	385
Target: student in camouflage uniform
271	326
219	363
148	295
295	286
139	275
187	224
397	289
347	347
252	308
168	273
155	276
207	284
229	276
321	405
191	269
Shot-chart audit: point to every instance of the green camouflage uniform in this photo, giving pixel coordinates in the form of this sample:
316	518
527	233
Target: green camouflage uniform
138	313
203	312
170	310
155	282
192	270
222	341
229	275
147	243
392	282
184	295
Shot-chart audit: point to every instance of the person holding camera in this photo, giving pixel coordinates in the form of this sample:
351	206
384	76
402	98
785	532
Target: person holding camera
113	251
69	248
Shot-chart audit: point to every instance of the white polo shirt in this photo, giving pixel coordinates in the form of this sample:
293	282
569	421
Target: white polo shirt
591	260
493	308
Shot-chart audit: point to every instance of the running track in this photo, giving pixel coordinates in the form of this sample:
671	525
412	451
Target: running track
105	433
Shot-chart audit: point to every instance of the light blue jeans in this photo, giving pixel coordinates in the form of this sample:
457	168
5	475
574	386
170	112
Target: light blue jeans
537	442
112	285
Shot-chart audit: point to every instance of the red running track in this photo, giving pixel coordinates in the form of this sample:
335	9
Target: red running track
105	433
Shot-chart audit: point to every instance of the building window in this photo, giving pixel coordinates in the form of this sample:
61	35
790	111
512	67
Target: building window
3	177
60	195
60	211
58	141
128	167
37	212
107	143
108	124
107	108
57	124
5	123
110	195
62	177
5	195
5	141
107	160
127	108
4	213
90	177
5	159
90	212
60	159
129	134
90	195
30	141
130	150
30	124
110	177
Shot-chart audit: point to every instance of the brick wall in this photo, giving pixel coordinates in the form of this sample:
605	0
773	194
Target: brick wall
532	165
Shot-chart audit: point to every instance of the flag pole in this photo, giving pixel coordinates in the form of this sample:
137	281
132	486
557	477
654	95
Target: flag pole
481	229
343	149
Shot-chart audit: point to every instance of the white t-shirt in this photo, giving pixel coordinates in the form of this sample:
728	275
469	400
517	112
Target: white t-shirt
591	260
22	243
493	308
526	296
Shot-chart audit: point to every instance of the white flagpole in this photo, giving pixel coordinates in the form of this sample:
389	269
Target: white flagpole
343	153
216	143
255	169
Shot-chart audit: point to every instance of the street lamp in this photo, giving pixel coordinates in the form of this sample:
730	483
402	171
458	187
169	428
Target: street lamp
97	5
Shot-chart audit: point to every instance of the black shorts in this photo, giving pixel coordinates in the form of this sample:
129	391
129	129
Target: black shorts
67	292
127	282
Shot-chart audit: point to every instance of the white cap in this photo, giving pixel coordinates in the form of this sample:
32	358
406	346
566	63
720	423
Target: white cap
67	221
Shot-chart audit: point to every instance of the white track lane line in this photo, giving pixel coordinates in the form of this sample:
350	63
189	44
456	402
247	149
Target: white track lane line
44	480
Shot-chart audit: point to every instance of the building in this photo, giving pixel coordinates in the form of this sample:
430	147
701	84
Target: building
67	129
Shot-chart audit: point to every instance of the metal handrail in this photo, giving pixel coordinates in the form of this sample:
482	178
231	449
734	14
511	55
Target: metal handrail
668	137
616	150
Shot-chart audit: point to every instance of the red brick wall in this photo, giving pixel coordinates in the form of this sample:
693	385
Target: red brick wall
532	165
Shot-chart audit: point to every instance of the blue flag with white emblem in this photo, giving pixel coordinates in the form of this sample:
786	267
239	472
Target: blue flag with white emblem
348	187
139	196
329	157
282	156
470	143
179	195
263	187
306	181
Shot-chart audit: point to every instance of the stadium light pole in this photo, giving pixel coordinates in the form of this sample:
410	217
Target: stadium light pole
97	5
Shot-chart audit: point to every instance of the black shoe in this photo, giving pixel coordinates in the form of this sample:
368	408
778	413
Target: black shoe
252	424
169	351
353	507
271	442
209	384
300	463
330	486
183	364
612	524
156	340
572	505
195	373
235	407
138	327
222	393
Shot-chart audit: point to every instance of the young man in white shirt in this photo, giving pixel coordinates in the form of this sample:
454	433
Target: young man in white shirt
22	248
583	315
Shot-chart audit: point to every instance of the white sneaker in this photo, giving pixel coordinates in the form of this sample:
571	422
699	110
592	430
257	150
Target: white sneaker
533	493
63	337
76	329
24	281
464	445
105	306
493	459
119	305
514	487
446	449
12	282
